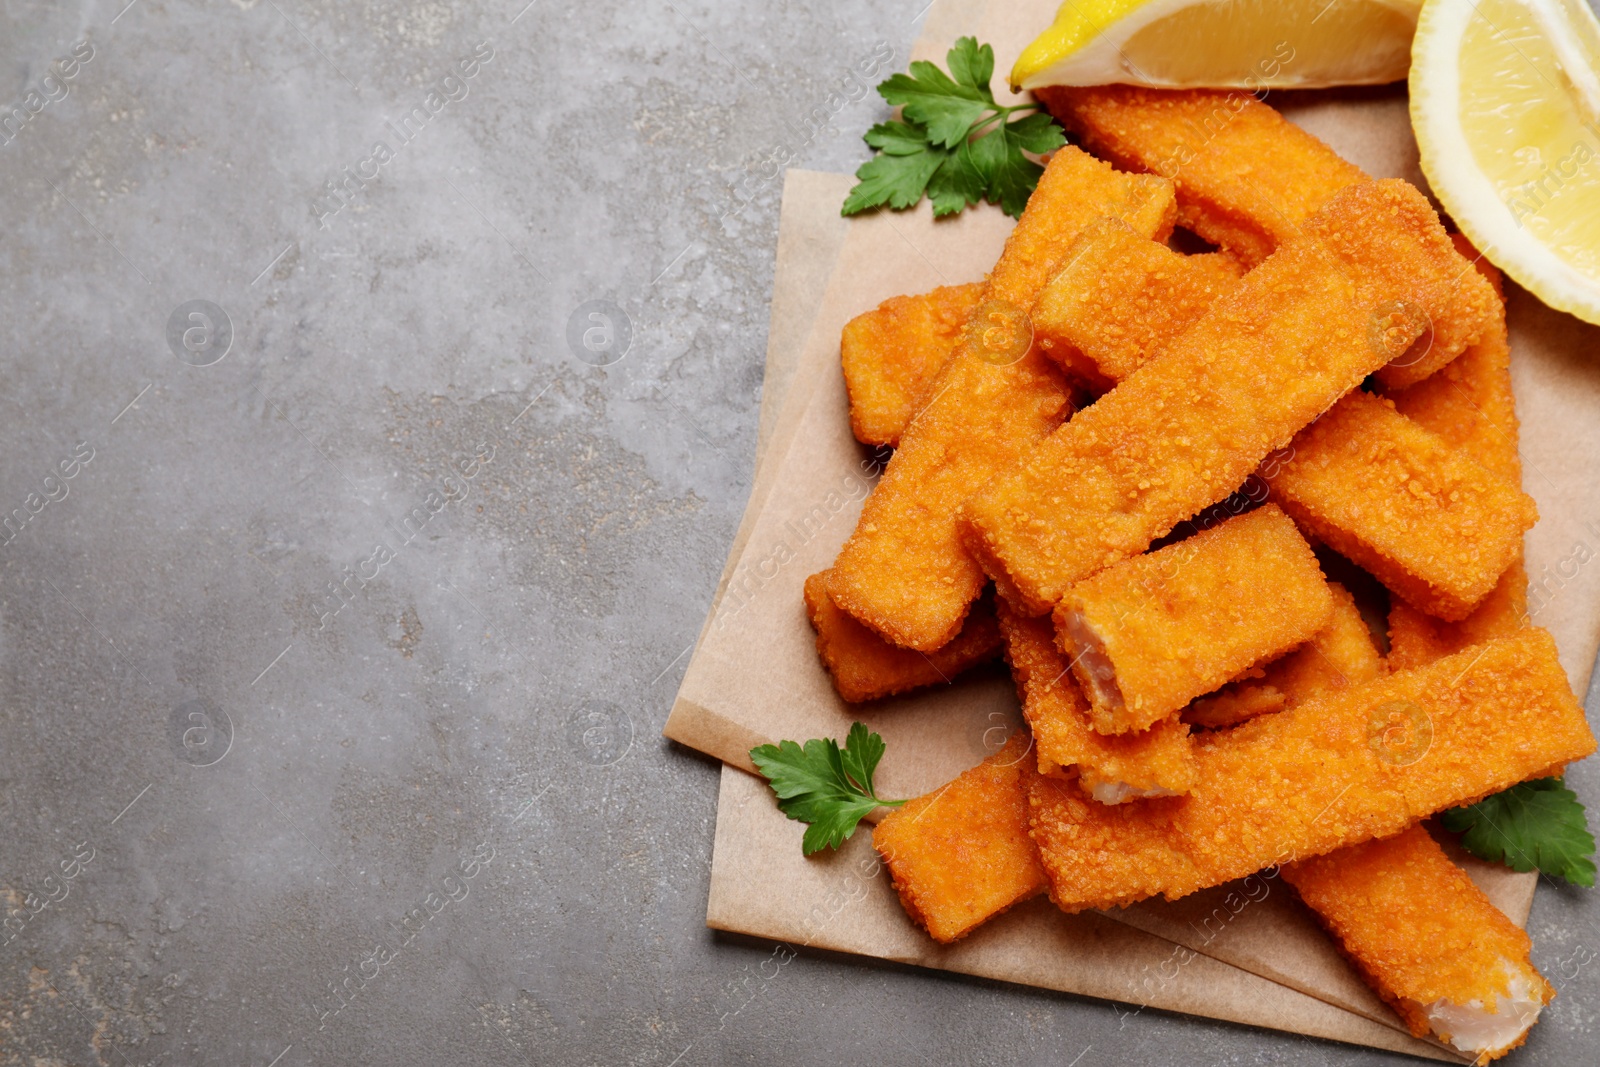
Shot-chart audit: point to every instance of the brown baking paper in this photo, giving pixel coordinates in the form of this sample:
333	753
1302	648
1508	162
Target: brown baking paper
754	677
826	904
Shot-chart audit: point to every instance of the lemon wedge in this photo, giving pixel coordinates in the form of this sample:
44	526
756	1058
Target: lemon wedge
1250	44
1505	101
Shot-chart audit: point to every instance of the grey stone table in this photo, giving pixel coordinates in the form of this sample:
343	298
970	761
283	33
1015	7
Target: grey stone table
343	602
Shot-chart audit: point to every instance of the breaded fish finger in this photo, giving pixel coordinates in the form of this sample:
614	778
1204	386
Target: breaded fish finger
1429	522
1112	319
1298	332
1340	769
1113	768
1416	927
1422	364
1119	297
1427	940
1469	404
892	353
1246	177
1154	632
866	667
903	571
962	854
1338	656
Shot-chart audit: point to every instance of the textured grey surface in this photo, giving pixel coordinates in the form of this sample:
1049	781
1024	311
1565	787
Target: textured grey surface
268	789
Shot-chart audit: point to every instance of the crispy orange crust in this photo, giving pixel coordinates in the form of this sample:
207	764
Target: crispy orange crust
1246	177
1177	623
1426	360
1158	758
1236	703
1470	405
1408	373
1338	656
904	571
892	352
1221	265
962	854
1342	768
1119	297
866	667
1434	526
1298	332
1416	638
1415	924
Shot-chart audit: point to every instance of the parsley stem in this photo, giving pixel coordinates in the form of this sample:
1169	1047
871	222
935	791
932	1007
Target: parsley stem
1000	113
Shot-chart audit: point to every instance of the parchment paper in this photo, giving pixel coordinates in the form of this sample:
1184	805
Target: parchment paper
754	678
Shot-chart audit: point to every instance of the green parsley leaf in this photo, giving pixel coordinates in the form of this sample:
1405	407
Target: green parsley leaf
957	184
1037	133
929	97
952	141
896	180
972	64
1009	176
1535	824
818	784
897	138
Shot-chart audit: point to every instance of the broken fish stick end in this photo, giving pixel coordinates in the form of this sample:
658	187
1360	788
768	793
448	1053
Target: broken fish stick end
1154	762
1427	939
1341	768
1152	633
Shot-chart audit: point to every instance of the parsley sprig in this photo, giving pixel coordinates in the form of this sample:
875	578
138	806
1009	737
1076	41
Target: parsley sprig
824	786
1535	824
952	140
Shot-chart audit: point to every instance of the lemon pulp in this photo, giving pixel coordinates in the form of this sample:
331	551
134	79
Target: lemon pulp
1505	102
1222	43
1548	174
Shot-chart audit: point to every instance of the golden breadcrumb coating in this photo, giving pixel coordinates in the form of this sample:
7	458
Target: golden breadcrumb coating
1468	401
1429	522
1416	638
1340	655
866	667
904	571
1246	177
1236	703
1155	760
1423	364
1154	632
1469	404
1426	360
892	352
1298	332
962	854
1417	927
1119	297
1341	768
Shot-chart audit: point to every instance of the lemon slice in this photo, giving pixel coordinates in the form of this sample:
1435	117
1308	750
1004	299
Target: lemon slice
1505	101
1250	44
